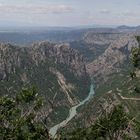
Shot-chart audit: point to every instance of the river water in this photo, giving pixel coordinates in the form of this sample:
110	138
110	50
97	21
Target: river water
72	113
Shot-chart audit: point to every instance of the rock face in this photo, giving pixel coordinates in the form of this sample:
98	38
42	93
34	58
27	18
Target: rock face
59	53
94	43
11	56
58	71
113	58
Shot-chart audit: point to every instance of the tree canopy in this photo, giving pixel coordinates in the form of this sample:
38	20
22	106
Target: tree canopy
20	118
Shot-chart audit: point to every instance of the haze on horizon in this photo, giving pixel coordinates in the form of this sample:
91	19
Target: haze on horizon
69	13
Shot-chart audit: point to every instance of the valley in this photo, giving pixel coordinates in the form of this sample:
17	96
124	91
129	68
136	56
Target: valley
62	72
69	70
72	113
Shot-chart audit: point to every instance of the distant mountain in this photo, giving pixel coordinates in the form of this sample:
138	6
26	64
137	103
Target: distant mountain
26	37
125	27
128	27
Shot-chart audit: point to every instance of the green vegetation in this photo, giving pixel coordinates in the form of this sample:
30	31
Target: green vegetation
20	118
112	125
136	57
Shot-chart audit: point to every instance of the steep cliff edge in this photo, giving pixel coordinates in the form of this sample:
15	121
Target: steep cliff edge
113	59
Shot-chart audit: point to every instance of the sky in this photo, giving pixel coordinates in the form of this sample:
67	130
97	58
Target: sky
69	12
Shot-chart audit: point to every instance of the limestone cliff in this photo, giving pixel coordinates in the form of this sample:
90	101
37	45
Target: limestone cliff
113	59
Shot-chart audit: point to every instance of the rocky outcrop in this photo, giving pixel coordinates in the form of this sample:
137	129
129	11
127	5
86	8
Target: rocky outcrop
14	56
113	59
9	58
61	54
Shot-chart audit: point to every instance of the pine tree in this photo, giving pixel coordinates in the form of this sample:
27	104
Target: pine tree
20	118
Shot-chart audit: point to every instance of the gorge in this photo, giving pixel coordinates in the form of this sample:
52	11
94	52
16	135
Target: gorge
62	71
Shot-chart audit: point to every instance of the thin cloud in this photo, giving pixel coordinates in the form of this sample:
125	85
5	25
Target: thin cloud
130	14
35	9
1	4
104	11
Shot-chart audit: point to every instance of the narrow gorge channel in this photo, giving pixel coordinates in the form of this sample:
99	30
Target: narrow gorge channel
72	113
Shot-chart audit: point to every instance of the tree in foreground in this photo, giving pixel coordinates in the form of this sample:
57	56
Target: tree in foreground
135	57
20	118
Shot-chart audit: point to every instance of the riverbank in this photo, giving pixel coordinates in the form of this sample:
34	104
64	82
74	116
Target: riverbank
72	113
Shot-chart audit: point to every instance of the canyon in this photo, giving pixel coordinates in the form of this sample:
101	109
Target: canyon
62	71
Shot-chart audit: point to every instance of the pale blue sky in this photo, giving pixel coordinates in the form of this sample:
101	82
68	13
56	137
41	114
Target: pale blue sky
69	12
